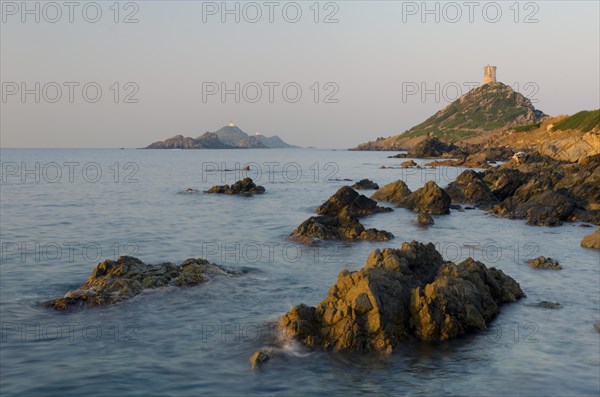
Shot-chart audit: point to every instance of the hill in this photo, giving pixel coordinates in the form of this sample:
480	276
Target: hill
483	110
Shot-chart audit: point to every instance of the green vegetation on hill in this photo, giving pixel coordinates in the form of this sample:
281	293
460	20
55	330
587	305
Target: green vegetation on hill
527	127
586	120
486	108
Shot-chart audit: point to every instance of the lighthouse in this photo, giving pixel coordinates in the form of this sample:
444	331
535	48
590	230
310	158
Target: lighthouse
489	74
231	124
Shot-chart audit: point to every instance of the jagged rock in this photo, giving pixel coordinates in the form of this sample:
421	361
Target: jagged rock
246	168
542	262
347	201
469	188
408	164
597	326
434	147
477	160
259	358
116	281
327	227
393	192
401	293
425	219
338	220
592	240
537	188
430	199
365	184
244	187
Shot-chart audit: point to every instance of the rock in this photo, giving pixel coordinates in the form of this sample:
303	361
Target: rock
365	184
544	191
327	227
477	160
469	188
189	190
434	147
425	219
244	187
548	305
542	262
430	199
259	358
347	201
338	220
116	281
246	168
401	293
592	240
597	326
393	192
398	156
408	164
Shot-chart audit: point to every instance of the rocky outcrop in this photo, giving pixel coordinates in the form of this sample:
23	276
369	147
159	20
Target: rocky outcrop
541	262
346	201
244	187
477	160
430	199
336	228
365	184
434	147
537	188
259	358
401	293
116	281
338	219
205	141
469	188
393	192
592	240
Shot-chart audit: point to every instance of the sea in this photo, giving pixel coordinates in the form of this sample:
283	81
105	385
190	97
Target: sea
65	210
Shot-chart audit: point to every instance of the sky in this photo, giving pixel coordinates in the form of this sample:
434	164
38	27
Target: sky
323	74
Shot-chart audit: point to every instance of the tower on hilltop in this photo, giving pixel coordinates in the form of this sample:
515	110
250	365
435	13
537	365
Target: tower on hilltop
489	74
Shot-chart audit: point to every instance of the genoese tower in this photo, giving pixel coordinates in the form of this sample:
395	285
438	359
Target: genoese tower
489	74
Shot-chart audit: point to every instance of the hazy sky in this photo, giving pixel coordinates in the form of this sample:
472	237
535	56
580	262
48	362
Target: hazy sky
179	53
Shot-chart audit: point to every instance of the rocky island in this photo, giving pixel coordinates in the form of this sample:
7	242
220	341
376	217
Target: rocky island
228	137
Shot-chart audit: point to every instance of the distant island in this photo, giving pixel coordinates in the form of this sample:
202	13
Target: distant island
228	137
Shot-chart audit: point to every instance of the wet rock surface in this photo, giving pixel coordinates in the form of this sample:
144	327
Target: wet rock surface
244	187
537	188
592	240
408	164
116	281
542	262
398	294
424	219
338	219
365	184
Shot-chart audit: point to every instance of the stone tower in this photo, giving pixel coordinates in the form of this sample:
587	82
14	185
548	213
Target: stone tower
489	74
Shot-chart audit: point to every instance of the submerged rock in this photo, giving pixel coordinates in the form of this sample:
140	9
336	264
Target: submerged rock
425	219
548	305
365	184
244	187
401	293
259	358
189	190
542	262
116	281
393	192
430	199
592	240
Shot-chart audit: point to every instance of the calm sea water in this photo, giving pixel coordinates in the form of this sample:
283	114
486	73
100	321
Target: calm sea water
63	211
